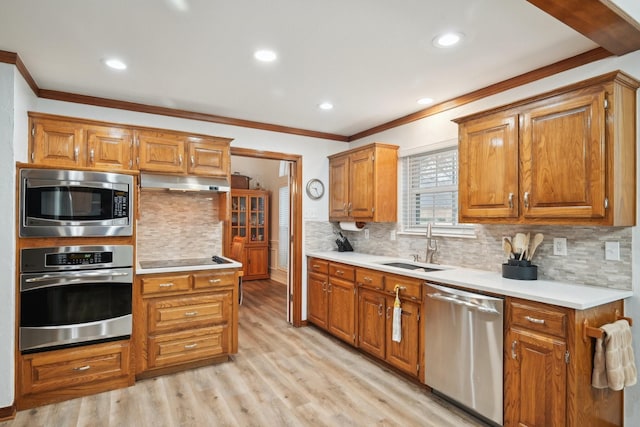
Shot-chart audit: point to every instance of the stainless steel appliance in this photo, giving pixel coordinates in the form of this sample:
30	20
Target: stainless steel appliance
74	295
463	349
75	203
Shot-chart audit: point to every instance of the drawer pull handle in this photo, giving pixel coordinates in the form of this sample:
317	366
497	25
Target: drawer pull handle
190	346
340	272
82	368
379	310
534	320
214	280
367	279
166	285
190	313
316	266
514	355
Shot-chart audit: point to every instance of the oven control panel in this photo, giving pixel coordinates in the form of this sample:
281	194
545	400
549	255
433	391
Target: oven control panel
78	258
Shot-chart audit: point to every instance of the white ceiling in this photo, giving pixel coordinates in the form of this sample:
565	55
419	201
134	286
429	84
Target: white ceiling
371	58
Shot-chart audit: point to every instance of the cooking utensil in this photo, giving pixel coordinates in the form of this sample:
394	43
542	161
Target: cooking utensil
506	247
537	239
525	246
518	243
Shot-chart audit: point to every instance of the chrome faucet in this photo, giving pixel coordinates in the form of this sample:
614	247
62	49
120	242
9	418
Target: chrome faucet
432	245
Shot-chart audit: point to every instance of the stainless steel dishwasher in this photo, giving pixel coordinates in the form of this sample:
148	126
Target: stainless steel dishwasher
463	349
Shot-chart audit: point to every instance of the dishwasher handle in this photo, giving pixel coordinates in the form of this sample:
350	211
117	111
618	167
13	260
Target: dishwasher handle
462	298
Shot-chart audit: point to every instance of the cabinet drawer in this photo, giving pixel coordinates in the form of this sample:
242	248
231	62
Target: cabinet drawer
318	265
187	346
538	317
370	279
342	271
154	285
212	280
410	288
179	313
79	366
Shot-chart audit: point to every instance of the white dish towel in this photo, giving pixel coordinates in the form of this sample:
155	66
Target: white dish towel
396	333
613	362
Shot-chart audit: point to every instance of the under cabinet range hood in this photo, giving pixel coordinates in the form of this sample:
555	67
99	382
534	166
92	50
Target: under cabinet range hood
184	183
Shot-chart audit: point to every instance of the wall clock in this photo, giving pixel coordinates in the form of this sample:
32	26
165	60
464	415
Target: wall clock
315	189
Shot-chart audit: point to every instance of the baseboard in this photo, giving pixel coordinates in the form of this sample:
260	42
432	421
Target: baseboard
8	413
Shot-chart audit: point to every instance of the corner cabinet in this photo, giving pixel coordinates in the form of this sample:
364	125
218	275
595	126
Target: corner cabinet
363	184
250	219
67	143
564	157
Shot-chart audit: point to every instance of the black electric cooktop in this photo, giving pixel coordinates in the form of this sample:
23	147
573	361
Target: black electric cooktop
186	262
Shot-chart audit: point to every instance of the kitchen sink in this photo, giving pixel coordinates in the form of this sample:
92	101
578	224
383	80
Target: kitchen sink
409	266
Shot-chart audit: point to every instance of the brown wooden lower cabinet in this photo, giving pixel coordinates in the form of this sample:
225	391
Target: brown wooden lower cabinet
354	304
184	319
548	366
57	375
332	299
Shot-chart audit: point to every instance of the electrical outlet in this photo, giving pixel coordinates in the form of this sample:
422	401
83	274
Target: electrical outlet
612	251
560	246
392	235
366	234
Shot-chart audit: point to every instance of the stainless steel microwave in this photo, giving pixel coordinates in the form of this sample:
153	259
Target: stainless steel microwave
70	203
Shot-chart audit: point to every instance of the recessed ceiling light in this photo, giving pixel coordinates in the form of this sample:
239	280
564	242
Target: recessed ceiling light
447	39
116	64
265	55
425	101
325	106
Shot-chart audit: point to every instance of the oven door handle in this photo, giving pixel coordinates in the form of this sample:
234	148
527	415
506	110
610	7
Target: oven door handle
58	279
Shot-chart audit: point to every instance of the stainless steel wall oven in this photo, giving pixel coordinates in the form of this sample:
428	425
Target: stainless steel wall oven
74	295
66	203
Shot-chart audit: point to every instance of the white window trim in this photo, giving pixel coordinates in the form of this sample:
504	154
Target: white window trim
459	230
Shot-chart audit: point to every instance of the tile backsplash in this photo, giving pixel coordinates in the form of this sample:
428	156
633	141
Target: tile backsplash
584	263
175	225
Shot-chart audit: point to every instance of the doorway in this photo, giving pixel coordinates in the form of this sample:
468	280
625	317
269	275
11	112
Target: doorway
294	238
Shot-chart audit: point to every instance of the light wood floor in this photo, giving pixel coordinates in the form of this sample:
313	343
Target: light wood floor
281	376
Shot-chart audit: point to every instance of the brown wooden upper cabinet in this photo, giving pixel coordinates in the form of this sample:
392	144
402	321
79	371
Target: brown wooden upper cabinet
66	142
363	184
564	157
176	152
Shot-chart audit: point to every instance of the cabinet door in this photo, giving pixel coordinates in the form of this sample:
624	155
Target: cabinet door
58	143
563	158
109	148
535	380
208	158
317	299
404	354
257	266
488	167
342	309
338	187
161	152
371	322
361	185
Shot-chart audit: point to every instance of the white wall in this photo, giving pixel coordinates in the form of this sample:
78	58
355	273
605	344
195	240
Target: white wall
433	130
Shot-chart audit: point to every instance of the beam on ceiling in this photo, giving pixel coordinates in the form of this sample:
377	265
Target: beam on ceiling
599	20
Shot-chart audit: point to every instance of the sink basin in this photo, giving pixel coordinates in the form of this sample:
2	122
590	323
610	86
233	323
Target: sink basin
408	266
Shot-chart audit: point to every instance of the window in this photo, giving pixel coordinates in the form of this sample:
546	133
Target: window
430	193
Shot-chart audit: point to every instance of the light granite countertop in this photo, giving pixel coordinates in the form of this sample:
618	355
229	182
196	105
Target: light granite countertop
576	296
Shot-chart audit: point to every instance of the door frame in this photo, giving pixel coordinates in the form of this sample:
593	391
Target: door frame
295	256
